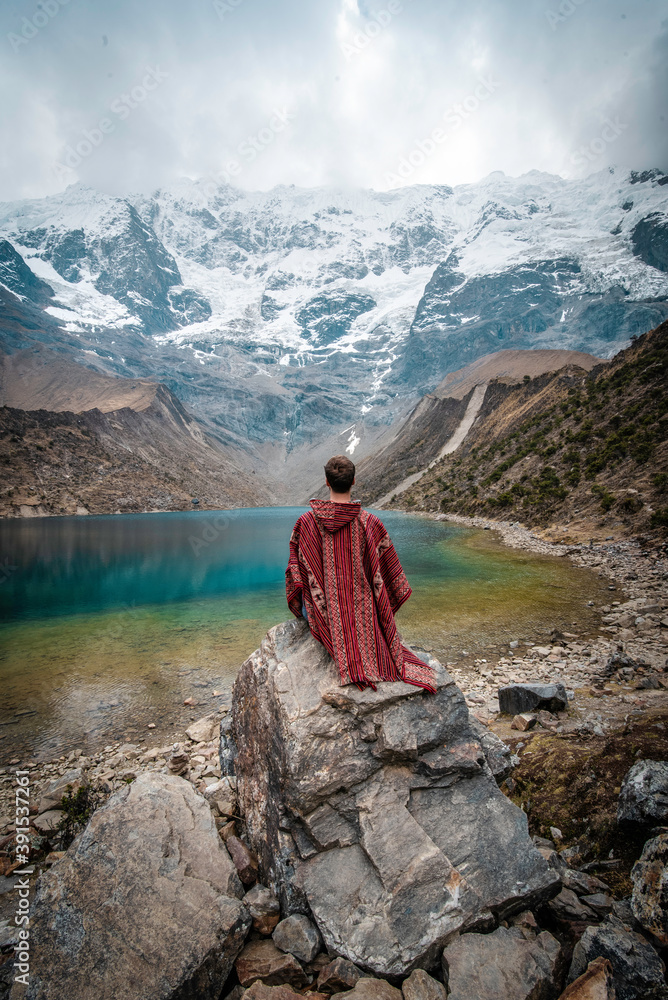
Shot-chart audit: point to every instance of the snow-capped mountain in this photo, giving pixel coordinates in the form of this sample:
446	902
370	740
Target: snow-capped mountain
285	315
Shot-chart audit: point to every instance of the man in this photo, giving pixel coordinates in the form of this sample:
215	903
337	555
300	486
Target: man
345	577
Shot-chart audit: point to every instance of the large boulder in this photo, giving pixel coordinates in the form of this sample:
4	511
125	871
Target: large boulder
649	901
144	903
374	811
637	970
517	698
643	798
505	965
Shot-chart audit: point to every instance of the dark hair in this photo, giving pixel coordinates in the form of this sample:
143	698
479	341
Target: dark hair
340	473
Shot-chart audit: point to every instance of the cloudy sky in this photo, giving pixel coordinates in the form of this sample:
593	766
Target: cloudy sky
128	96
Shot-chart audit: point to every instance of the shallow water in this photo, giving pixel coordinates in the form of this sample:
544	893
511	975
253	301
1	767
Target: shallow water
108	623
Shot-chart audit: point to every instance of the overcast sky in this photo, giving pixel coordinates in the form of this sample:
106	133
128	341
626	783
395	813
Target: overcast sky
127	95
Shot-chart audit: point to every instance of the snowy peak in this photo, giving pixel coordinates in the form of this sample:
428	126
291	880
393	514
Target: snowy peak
285	314
88	237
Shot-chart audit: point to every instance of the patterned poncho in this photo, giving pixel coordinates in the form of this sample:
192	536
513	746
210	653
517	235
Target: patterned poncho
345	571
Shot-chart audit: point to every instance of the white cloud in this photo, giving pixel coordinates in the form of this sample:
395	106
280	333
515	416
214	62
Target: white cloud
364	81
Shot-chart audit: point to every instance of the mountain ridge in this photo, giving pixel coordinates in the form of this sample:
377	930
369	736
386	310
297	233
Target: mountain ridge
580	454
282	318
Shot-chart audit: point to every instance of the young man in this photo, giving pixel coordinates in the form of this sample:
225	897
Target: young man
345	575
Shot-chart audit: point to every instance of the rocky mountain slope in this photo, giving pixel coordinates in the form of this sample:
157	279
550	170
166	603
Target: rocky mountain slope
138	449
286	317
584	452
442	419
40	379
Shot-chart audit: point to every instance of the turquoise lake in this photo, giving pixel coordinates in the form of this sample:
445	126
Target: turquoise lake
109	623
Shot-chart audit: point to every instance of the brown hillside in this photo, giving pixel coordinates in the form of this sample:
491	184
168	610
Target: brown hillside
156	459
418	441
511	367
42	380
583	452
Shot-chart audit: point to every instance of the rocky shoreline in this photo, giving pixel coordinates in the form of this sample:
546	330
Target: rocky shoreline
602	695
372	823
635	639
615	684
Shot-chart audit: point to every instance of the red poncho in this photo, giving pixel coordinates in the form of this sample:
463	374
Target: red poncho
345	570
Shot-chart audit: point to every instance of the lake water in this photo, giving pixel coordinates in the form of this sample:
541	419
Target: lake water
109	623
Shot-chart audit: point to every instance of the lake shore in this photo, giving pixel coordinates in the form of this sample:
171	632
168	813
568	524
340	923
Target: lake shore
634	625
617	680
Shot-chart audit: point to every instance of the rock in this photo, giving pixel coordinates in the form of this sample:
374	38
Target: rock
374	810
223	795
523	722
517	698
498	754
228	748
621	908
649	900
319	962
226	828
263	960
264	908
566	907
259	991
421	986
501	966
583	885
371	989
644	794
244	860
543	842
204	730
596	983
299	936
238	991
47	822
572	855
54	790
143	903
600	902
547	720
526	922
554	860
636	967
338	975
179	761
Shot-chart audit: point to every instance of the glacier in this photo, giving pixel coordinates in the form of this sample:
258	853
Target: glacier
284	317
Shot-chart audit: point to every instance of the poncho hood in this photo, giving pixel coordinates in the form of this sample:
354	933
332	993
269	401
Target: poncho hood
333	516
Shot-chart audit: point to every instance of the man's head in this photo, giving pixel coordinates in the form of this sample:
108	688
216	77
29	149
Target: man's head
340	474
